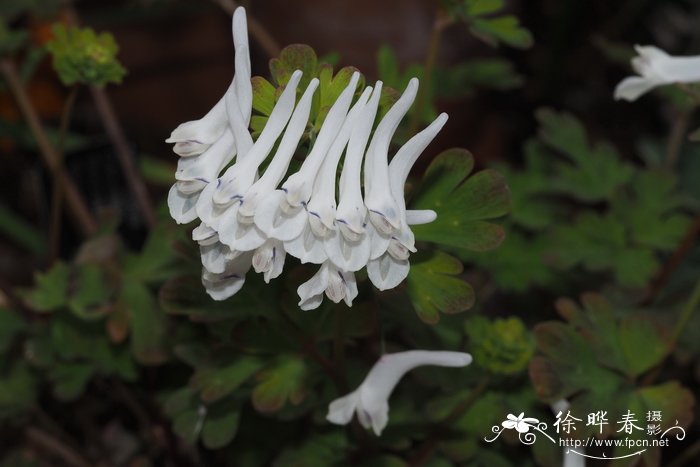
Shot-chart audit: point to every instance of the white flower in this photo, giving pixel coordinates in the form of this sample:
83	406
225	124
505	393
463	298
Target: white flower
248	219
269	259
371	399
657	68
209	144
570	459
226	284
336	284
391	266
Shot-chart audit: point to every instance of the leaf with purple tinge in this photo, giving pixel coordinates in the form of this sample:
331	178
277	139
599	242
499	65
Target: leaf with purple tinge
282	382
434	286
463	203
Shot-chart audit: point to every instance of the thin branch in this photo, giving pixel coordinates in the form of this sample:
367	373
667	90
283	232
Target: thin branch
664	275
261	35
57	198
77	206
116	135
125	155
56	447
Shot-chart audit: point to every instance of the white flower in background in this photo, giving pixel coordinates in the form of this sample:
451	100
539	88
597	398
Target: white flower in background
371	399
570	459
657	68
250	218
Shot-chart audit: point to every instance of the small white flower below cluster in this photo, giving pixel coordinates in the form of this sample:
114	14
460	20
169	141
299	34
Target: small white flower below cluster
370	401
253	219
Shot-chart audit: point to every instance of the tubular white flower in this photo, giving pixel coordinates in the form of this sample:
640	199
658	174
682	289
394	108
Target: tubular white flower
219	203
371	399
283	214
194	137
226	284
389	269
308	246
269	259
383	211
247	221
336	284
299	186
657	68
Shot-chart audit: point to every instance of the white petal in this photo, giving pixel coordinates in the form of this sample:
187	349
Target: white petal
311	291
214	257
182	206
206	166
390	368
384	212
204	235
280	162
345	254
386	272
341	410
276	222
630	89
307	247
204	131
341	285
420	216
225	285
351	212
269	259
322	205
299	186
239	178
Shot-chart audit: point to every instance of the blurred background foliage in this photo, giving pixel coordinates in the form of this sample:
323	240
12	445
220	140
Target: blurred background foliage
564	257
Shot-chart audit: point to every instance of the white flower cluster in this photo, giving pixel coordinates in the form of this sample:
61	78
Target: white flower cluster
252	219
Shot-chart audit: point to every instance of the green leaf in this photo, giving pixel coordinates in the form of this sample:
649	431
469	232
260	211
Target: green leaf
502	346
594	172
294	57
51	289
283	382
188	424
82	56
387	65
433	287
462	209
263	95
69	380
216	383
505	29
598	243
483	7
147	323
18	390
329	89
516	254
652	195
220	425
11	324
89	292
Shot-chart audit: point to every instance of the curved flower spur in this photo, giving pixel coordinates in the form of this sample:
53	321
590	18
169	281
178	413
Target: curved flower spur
249	220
